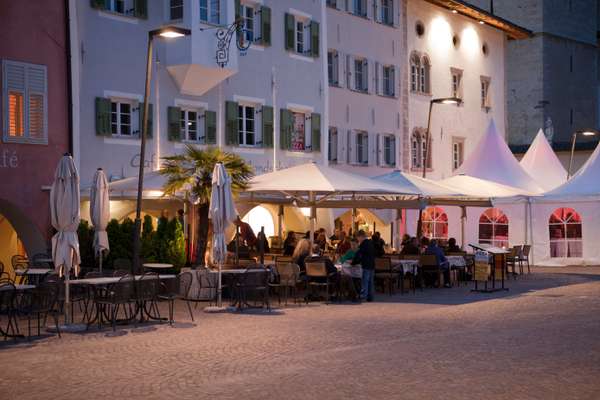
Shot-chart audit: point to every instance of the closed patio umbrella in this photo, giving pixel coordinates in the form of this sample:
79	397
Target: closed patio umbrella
100	214
222	212
64	211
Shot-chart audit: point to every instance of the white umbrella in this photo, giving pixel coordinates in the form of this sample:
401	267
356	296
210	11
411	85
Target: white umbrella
64	211
222	212
100	213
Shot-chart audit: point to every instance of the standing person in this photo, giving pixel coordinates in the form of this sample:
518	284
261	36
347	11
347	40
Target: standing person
378	244
365	256
289	244
246	233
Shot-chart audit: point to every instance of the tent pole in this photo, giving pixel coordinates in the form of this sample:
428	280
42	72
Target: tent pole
313	212
463	217
280	223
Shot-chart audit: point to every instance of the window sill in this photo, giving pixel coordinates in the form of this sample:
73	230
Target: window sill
365	17
183	144
360	91
301	57
389	25
118	17
420	169
249	149
257	46
24	140
387	96
423	94
210	25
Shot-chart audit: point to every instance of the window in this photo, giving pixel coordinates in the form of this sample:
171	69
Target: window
190	129
565	233
247	13
389	80
333	67
415	70
435	223
424	76
359	7
300	37
332	154
332	3
389	150
120	117
362	148
456	84
25	99
387	12
457	152
417	148
493	228
210	11
485	93
299	131
361	76
119	6
176	9
246	125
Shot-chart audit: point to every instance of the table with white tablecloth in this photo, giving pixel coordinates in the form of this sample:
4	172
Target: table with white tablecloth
353	271
405	266
456	261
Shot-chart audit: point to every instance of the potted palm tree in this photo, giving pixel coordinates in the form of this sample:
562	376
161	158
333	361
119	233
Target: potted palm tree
191	173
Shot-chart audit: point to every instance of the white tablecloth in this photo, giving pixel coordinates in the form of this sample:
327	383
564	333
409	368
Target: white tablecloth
353	271
406	266
456	261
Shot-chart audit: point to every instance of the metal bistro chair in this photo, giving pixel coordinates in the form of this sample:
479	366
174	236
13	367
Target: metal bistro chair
289	275
524	256
317	277
256	283
40	302
8	296
114	297
512	258
385	274
430	267
181	289
118	273
148	289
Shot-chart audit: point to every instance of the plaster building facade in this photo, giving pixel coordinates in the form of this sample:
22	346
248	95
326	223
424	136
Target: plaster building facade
35	120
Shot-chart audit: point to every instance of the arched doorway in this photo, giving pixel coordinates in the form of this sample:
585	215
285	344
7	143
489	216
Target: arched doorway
564	226
259	217
493	227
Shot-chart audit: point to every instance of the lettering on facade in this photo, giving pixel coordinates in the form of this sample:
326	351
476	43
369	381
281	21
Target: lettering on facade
149	163
9	159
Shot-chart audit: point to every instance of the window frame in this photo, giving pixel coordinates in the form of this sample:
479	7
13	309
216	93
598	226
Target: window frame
26	93
460	142
440	218
184	120
244	9
389	21
133	105
302	114
566	241
484	93
362	147
333	67
494	221
389	150
361	79
357	8
417	149
332	147
242	118
176	7
210	12
456	83
389	89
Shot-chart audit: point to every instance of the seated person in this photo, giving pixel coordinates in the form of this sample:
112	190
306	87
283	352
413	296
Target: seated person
452	247
317	257
405	239
336	235
434	249
301	251
349	255
289	244
410	248
321	241
378	244
344	244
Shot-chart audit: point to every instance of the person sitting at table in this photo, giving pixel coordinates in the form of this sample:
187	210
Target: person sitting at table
343	245
317	257
336	235
452	247
301	251
378	244
405	240
321	241
410	248
289	244
349	255
438	252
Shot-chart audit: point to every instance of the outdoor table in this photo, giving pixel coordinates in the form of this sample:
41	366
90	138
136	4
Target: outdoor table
353	271
234	277
456	261
157	266
34	274
18	287
406	266
44	260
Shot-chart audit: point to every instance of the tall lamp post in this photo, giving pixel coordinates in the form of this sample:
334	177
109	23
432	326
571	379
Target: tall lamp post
166	32
442	100
584	132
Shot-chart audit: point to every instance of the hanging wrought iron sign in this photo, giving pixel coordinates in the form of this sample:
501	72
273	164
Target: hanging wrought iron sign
224	37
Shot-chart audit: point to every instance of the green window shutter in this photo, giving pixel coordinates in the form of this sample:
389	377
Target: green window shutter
285	130
289	31
140	8
265	16
314	38
238	6
150	118
173	123
103	117
99	4
231	123
315	128
267	126
210	127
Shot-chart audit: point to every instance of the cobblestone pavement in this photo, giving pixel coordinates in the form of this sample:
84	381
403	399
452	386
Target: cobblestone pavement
540	340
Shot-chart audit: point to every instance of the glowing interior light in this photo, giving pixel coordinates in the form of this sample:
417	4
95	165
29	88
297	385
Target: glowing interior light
171	34
305	211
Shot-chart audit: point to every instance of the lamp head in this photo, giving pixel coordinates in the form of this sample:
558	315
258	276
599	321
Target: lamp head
448	100
586	132
170	32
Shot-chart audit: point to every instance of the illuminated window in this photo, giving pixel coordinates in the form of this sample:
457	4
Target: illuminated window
299	131
485	93
493	228
456	83
247	13
435	223
565	229
25	101
458	151
418	149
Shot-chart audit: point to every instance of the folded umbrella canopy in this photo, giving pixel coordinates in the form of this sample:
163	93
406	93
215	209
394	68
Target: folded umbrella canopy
222	212
100	213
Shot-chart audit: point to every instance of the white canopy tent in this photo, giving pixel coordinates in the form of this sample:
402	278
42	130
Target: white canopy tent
542	164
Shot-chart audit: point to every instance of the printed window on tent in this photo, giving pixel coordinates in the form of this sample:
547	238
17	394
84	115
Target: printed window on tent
565	233
435	223
493	228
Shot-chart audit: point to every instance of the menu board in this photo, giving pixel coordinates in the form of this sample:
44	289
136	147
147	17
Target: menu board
481	271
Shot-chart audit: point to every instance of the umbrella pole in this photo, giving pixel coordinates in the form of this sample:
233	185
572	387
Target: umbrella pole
219	289
100	261
67	300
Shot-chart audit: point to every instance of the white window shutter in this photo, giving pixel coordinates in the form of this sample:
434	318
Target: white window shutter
349	71
365	150
377	10
396	12
393	151
350	147
365	6
341	68
368	85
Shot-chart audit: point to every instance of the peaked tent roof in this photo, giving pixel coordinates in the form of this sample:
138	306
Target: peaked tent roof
542	164
425	187
476	187
492	160
321	179
584	184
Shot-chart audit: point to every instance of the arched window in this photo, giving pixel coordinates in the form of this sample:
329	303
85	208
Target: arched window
259	217
435	223
493	228
425	75
415	71
417	148
565	233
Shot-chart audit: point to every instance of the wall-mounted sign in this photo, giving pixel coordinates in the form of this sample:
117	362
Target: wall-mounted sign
149	162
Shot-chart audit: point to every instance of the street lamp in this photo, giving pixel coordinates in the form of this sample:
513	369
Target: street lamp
584	132
442	100
165	32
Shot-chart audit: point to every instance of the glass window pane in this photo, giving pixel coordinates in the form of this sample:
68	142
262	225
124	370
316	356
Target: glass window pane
15	114
36	116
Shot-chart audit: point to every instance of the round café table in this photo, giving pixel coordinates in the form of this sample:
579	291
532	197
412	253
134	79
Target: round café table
157	266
